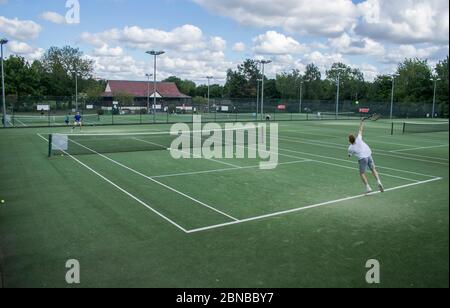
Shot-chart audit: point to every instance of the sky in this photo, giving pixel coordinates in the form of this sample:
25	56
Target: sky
207	37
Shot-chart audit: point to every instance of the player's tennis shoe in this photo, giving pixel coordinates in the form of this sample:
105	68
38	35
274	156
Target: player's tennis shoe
368	190
381	187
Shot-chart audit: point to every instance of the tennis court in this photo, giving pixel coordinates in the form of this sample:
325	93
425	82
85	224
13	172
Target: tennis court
137	217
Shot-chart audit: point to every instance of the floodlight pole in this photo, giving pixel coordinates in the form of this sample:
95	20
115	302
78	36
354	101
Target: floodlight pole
76	90
257	97
263	63
338	93
148	91
434	96
209	105
301	96
3	42
392	97
258	80
155	54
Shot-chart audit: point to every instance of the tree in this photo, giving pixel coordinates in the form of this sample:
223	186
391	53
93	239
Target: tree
414	83
351	81
21	79
187	87
442	85
381	89
61	65
234	85
288	84
312	82
124	98
242	83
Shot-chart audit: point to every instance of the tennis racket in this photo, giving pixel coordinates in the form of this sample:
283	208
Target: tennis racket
373	117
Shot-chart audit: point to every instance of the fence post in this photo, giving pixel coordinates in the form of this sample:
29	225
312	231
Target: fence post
50	141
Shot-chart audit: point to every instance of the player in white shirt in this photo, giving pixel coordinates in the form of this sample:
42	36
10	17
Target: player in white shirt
363	152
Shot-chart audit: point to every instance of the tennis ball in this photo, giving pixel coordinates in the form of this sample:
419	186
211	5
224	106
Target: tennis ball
2	202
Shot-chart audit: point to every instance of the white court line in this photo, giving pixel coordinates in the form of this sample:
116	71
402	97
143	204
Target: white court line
214	160
305	207
157	182
347	161
373	140
380	152
122	190
327	163
23	124
321	129
342	166
236	221
228	169
421	148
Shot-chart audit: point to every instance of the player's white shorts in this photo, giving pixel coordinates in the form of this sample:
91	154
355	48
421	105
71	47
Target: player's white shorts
366	163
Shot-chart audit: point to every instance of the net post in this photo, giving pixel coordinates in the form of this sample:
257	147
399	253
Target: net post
50	141
392	128
404	127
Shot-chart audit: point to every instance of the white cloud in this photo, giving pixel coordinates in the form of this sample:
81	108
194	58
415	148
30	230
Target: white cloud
118	67
19	29
189	54
184	38
369	71
405	22
398	54
325	17
239	47
217	43
276	43
106	51
356	46
24	50
53	17
323	60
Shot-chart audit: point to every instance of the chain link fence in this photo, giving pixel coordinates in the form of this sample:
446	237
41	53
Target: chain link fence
60	111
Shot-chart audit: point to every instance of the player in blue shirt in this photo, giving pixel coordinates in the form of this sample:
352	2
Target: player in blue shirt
77	121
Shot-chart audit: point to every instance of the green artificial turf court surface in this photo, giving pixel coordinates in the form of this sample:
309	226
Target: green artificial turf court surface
143	219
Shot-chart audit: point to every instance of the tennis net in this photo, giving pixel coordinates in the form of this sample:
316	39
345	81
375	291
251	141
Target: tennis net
80	144
417	127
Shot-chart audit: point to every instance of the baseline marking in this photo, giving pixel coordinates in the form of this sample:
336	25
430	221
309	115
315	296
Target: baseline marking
157	182
122	190
336	202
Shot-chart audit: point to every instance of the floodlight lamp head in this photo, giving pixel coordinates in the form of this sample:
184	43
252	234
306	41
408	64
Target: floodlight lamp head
3	41
155	53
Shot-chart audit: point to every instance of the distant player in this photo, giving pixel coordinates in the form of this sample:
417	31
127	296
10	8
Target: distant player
67	120
77	121
361	150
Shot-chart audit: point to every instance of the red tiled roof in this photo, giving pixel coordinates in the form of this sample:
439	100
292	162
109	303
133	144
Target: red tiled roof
140	89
